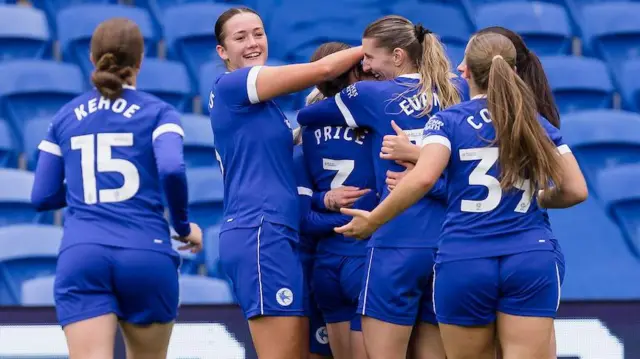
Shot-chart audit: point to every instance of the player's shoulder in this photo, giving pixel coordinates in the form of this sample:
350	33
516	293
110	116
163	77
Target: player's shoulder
459	111
461	85
364	89
67	110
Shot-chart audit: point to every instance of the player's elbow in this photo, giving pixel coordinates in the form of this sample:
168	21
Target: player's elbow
425	183
38	201
577	193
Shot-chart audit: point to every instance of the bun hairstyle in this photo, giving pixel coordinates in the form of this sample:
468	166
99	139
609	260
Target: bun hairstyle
116	48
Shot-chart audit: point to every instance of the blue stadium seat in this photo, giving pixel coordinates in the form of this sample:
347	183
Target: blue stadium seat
8	152
36	88
630	86
38	291
35	131
579	83
619	190
168	80
15	199
600	265
602	139
28	251
447	21
198	142
455	55
206	192
189	35
51	8
76	25
544	27
23	33
212	252
612	30
204	290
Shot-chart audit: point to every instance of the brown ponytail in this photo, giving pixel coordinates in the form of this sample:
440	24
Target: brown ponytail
435	73
116	47
525	150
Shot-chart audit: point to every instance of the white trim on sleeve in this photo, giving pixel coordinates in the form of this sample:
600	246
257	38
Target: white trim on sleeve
436	139
166	128
348	117
304	191
252	88
562	149
50	147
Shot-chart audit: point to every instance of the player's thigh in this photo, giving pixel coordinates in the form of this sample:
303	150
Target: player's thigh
148	341
319	335
384	340
339	339
83	287
466	292
92	338
147	286
278	337
394	284
525	337
265	270
426	342
469	342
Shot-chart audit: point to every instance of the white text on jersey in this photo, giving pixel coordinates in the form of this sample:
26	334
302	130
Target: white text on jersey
486	118
338	133
99	104
417	102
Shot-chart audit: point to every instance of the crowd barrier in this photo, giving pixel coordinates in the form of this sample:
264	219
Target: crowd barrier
585	330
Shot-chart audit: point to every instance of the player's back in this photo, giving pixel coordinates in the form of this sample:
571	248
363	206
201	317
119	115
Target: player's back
114	194
254	143
339	156
482	219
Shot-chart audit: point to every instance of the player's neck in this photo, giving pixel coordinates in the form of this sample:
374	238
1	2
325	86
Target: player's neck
474	91
405	70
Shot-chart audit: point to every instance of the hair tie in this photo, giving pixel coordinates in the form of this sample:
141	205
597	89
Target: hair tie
497	57
421	32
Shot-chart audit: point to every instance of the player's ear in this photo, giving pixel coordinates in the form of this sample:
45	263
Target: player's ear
398	56
222	52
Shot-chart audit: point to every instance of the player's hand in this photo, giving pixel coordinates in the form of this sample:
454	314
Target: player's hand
393	178
398	146
360	226
343	197
193	240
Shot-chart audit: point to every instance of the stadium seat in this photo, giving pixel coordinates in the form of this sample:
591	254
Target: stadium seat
8	152
447	21
15	199
27	252
602	139
189	35
612	31
630	86
212	69
23	33
578	83
198	142
619	190
212	252
204	290
456	55
76	25
206	192
35	88
38	291
168	80
35	131
51	8
599	264
545	27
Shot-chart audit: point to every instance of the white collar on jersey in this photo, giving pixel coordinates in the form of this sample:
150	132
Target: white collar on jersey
479	96
411	76
128	87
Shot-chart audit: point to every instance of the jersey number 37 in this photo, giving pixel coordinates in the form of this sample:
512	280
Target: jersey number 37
92	156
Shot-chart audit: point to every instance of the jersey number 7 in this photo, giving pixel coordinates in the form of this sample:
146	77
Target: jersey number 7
344	168
100	155
488	156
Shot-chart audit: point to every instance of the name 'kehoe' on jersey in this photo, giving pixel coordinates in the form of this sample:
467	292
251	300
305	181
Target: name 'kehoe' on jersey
104	104
328	133
417	103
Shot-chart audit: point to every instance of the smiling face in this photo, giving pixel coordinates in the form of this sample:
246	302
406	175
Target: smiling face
244	42
378	61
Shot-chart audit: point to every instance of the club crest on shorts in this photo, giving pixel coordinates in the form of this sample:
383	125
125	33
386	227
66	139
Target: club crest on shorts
284	296
322	336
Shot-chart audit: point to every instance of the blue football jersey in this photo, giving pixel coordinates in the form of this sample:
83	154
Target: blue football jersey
114	194
305	191
254	144
482	220
373	105
339	156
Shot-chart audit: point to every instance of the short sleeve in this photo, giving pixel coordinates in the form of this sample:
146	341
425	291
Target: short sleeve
239	88
350	107
555	136
437	131
50	142
168	122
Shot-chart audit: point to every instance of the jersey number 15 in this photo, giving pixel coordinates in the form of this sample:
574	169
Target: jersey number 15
100	155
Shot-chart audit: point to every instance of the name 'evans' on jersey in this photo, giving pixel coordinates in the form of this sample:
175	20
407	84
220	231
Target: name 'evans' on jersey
96	104
328	133
417	103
